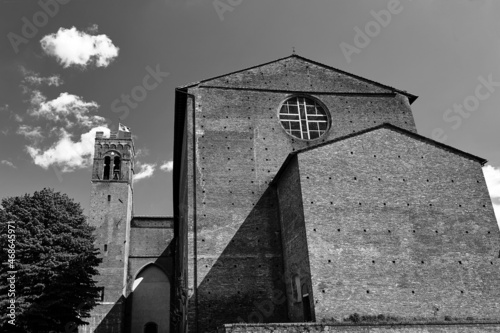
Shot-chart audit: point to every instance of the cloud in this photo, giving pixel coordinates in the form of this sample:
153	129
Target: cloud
66	153
145	171
8	163
35	79
77	48
67	108
30	132
492	176
167	166
141	152
93	29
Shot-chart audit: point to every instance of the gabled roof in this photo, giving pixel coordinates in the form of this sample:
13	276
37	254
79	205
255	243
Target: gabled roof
411	97
388	126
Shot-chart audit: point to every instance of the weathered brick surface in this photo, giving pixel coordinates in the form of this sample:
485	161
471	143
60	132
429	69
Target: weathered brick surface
409	328
294	240
294	73
151	241
239	145
400	227
112	229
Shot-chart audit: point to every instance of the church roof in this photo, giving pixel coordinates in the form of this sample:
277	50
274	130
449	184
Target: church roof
385	126
411	97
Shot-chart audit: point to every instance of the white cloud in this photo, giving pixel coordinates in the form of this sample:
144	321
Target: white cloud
65	107
72	47
30	132
66	153
492	176
146	171
8	163
33	78
167	166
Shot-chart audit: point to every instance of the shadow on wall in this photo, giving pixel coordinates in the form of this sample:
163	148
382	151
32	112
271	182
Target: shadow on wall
113	317
245	283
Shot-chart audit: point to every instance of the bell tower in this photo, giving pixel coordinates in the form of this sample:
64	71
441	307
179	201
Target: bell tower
110	213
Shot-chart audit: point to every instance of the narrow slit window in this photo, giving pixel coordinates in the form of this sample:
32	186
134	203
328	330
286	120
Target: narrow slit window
100	296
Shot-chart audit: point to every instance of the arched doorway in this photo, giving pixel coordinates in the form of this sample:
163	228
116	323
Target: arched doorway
151	301
151	328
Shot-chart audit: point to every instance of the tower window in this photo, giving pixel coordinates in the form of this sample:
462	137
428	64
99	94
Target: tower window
116	168
109	198
107	162
303	118
100	297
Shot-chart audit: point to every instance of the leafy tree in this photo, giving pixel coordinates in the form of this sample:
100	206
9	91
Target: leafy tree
55	261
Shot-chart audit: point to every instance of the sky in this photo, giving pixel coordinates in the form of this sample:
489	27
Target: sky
71	67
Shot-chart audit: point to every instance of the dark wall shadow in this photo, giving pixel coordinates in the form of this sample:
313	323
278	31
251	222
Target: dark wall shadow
245	284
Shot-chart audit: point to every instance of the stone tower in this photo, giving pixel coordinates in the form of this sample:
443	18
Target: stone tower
111	213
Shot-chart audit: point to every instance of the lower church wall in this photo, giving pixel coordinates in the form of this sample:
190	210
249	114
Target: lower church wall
106	318
399	328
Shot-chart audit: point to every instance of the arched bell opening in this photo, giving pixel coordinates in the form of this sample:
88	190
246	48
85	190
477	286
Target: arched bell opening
116	168
107	166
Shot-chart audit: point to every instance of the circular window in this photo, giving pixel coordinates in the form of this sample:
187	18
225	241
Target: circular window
303	118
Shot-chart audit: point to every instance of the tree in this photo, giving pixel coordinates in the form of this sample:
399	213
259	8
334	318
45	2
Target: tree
55	261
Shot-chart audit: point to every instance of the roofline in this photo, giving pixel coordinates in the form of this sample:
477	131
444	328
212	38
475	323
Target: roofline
190	85
411	97
392	127
285	91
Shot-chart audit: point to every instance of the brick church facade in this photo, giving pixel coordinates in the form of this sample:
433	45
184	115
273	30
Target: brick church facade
301	194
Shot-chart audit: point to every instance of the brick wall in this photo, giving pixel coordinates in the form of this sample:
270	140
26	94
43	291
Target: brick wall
408	328
151	241
239	146
400	227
